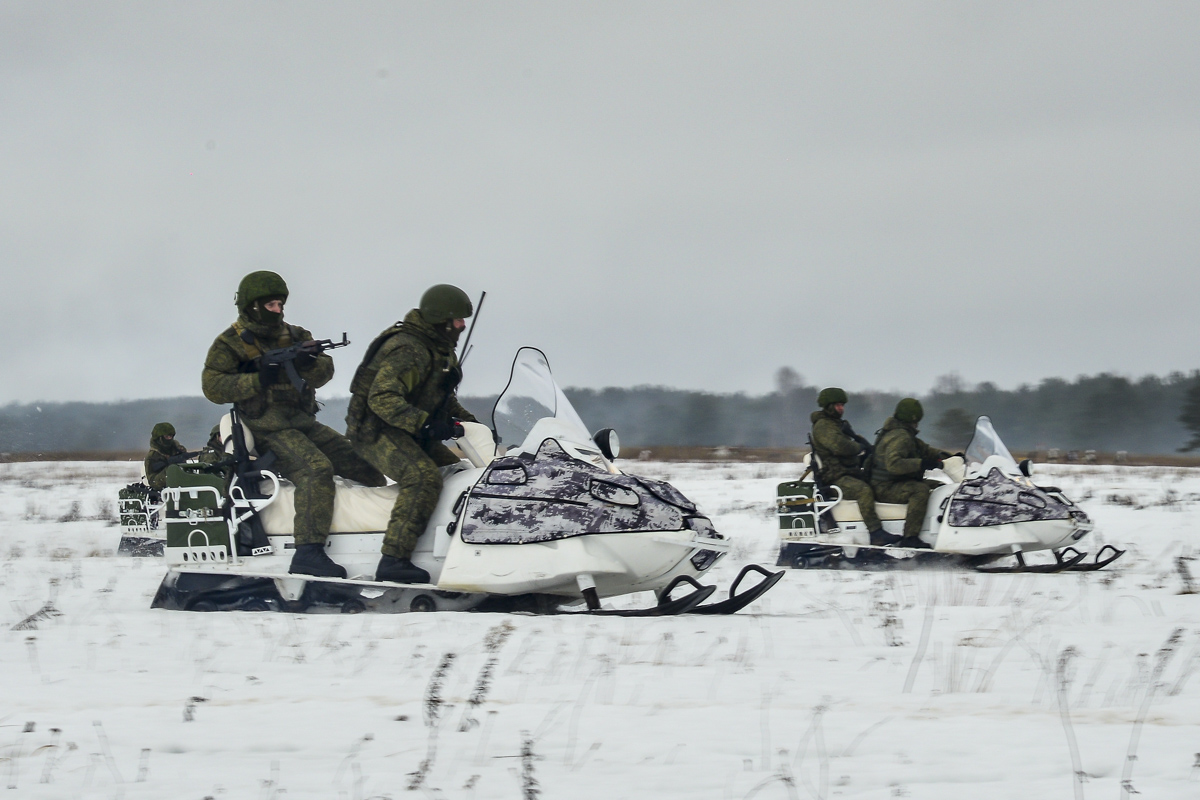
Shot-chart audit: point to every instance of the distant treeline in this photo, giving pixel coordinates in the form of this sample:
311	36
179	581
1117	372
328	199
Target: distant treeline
1102	412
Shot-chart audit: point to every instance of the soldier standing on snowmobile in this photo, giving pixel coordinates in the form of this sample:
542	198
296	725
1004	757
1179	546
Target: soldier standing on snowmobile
164	451
897	467
282	416
402	406
839	451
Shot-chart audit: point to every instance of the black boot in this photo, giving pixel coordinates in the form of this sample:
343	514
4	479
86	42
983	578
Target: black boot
311	559
913	542
881	538
400	570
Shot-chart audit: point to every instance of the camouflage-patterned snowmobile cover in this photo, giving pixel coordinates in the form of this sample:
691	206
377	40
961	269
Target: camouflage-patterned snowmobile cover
551	495
996	499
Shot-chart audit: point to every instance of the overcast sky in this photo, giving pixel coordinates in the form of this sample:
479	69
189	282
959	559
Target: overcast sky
686	194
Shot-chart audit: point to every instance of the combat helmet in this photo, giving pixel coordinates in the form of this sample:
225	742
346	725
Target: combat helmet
162	429
830	396
444	302
260	285
909	410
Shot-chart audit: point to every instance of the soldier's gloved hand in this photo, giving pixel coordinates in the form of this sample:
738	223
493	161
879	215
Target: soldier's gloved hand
269	373
439	430
929	462
307	356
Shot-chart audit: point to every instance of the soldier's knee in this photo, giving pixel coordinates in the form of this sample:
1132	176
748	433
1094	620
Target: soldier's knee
431	477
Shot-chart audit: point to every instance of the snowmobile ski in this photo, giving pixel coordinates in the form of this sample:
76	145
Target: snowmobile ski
736	602
1062	562
1099	562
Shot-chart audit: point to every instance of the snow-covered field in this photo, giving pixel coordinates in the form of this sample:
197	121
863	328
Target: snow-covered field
929	684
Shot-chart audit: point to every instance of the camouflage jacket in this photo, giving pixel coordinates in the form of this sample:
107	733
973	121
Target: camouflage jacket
409	374
837	445
158	459
898	453
231	375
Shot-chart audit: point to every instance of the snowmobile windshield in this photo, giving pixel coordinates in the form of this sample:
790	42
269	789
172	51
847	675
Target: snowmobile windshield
532	395
986	443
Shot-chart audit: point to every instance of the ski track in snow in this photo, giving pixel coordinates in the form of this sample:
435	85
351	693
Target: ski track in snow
800	696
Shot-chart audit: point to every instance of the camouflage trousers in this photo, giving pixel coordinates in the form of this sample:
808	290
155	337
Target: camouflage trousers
309	456
914	493
414	468
860	491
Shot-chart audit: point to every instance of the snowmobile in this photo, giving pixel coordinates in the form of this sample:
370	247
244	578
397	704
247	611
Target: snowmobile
987	515
139	509
535	517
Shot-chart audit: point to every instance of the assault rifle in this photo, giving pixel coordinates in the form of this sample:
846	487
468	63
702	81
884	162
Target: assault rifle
286	356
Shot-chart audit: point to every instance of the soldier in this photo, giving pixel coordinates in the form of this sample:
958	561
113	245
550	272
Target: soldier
840	450
282	416
164	451
898	465
402	406
214	450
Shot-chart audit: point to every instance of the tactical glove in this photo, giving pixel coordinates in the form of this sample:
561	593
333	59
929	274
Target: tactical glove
306	357
439	430
929	462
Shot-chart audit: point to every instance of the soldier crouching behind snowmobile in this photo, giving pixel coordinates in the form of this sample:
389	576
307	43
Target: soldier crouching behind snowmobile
402	406
282	416
839	452
897	467
164	451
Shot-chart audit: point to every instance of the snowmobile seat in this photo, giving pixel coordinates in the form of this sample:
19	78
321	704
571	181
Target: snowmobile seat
356	508
847	511
227	435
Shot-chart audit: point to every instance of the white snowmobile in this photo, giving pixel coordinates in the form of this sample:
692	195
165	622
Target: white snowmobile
139	509
548	522
987	511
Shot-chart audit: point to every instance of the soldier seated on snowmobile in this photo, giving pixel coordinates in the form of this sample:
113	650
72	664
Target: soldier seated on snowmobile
213	450
164	451
282	414
898	465
402	406
839	455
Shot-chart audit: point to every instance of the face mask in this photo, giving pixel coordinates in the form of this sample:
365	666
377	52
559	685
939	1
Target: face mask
268	318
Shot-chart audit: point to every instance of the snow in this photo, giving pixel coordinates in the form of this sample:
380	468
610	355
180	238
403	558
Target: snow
815	691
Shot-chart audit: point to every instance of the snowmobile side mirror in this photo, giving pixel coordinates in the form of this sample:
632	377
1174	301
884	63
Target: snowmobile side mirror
606	439
1026	468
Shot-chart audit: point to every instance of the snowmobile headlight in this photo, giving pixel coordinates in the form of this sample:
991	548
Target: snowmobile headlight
606	439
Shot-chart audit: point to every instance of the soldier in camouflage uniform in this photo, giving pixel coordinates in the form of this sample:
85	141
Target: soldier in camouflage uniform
840	449
214	450
281	416
402	406
898	465
164	451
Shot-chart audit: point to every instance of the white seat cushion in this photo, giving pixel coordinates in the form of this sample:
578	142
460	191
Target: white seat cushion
847	511
356	509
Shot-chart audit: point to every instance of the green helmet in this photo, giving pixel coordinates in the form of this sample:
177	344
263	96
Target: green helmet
258	285
162	429
909	410
443	303
830	396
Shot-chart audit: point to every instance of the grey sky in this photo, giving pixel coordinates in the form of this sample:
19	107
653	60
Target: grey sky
689	194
